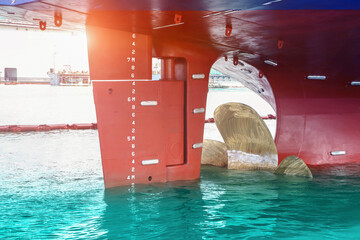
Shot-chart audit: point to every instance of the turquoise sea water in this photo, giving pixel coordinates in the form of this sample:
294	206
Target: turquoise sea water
51	187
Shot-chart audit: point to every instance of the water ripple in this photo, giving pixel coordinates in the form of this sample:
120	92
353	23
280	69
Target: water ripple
53	188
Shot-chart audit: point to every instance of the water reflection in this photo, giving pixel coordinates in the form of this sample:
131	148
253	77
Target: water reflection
153	211
233	204
52	188
240	199
217	204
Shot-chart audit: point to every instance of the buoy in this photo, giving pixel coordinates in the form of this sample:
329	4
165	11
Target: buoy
82	126
46	127
43	127
4	129
59	126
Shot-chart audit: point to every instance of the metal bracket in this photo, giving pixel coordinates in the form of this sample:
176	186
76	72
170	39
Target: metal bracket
236	60
42	25
280	44
177	18
58	19
228	31
261	74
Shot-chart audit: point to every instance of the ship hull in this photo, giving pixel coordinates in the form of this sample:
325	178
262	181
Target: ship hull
304	69
304	58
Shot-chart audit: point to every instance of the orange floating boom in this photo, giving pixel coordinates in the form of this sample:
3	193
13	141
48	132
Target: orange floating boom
78	126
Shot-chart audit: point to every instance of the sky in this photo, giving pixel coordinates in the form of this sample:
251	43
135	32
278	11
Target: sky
33	52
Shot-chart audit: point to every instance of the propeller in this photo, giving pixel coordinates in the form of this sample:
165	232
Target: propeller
214	153
294	166
248	140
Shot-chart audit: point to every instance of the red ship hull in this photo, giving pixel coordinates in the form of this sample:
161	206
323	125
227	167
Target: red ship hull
308	81
304	57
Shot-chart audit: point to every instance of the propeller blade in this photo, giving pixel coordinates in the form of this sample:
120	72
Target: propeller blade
293	166
249	141
214	153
